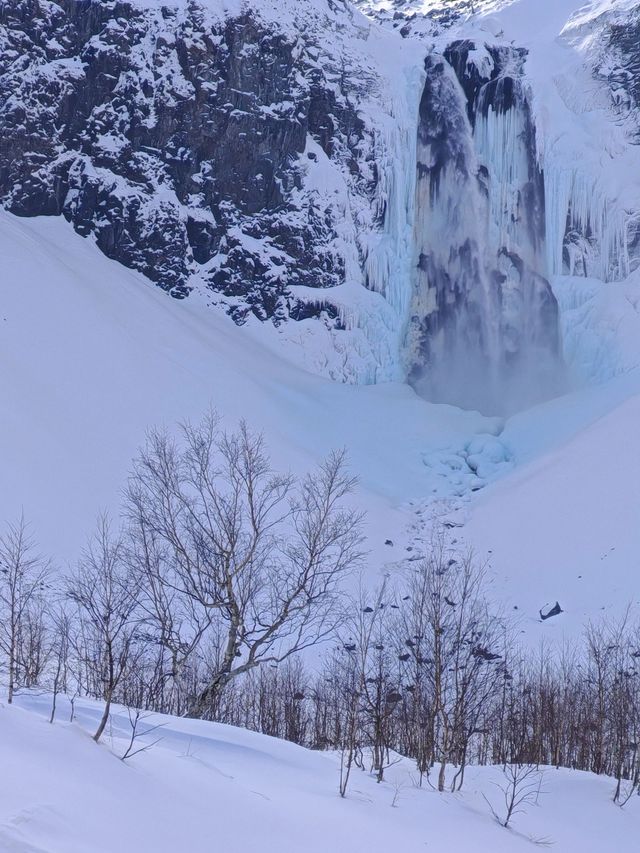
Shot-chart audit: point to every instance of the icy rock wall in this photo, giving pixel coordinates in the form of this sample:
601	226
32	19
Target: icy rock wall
261	154
587	234
592	190
180	136
483	331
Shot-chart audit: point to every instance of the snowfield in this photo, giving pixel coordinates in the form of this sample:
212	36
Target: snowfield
206	787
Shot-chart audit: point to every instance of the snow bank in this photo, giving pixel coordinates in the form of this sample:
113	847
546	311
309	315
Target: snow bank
207	786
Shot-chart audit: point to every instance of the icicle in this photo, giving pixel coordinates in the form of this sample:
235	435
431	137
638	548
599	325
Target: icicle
388	254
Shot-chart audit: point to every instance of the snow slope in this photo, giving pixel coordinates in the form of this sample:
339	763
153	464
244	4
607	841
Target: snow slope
565	526
92	355
207	786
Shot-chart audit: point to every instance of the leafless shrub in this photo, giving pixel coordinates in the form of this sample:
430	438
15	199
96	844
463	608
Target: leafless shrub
522	787
136	717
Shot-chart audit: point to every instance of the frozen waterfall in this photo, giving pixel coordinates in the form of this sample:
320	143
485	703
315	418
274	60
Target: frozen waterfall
483	329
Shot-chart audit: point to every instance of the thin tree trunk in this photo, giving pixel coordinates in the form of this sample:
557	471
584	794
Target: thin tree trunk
12	669
108	695
105	716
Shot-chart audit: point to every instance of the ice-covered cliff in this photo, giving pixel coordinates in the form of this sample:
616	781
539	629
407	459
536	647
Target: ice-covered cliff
389	190
260	152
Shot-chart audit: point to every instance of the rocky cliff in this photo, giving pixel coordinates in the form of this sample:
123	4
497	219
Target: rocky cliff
180	138
392	193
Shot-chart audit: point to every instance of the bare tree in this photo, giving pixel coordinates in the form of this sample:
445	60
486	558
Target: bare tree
451	644
250	555
349	681
23	579
136	717
522	786
62	627
370	637
105	590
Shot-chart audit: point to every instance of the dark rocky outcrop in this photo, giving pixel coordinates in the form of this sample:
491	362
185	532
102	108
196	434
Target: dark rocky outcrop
175	139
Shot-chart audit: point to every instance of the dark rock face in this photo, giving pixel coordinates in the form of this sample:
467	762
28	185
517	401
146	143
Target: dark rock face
484	321
176	140
619	66
495	88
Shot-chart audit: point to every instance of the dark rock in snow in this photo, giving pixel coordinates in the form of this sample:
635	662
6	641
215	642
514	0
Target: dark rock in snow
556	610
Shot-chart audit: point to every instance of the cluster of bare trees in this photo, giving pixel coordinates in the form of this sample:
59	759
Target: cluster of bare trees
224	571
24	582
222	566
428	670
417	669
